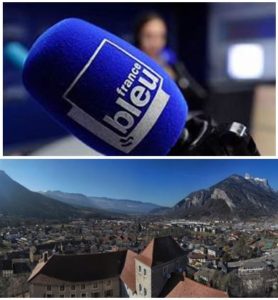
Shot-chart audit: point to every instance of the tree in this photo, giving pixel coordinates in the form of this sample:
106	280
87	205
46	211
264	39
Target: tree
226	257
241	249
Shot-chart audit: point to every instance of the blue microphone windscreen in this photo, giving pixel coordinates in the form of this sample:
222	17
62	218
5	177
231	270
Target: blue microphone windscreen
105	91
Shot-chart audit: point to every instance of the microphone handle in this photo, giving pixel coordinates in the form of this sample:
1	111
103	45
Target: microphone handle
201	138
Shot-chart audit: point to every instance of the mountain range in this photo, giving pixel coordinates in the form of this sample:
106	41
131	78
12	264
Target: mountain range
234	197
16	200
123	206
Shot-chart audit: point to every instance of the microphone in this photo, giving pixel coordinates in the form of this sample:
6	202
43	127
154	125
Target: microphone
105	91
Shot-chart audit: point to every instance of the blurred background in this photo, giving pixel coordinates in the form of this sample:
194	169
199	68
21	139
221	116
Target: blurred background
223	53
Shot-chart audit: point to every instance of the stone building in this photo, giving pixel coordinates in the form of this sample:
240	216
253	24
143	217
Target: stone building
82	275
155	264
259	276
159	271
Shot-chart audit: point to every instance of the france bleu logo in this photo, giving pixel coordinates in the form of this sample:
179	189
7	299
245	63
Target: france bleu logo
137	99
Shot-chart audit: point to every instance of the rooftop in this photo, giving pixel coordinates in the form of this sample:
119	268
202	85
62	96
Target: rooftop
80	267
159	251
6	265
128	272
179	286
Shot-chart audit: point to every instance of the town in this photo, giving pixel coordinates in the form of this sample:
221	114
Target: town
122	257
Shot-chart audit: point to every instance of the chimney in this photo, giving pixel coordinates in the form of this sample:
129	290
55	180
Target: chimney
45	257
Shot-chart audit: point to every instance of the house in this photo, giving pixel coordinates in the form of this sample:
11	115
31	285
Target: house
252	266
258	276
196	259
18	256
21	268
80	275
205	275
6	267
213	251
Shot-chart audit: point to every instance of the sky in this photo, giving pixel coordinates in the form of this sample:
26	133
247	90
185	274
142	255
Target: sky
160	181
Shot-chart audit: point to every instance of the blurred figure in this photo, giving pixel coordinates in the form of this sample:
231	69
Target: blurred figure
150	36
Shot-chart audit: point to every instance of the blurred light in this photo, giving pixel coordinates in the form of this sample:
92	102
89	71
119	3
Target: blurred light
16	54
245	61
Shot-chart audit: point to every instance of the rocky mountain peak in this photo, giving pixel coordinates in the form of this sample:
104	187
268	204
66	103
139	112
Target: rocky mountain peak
263	182
235	196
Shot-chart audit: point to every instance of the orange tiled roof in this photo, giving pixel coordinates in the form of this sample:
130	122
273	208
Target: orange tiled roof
128	272
188	288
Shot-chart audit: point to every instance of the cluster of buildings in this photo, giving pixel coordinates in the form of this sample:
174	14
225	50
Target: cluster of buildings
120	258
157	271
14	263
103	234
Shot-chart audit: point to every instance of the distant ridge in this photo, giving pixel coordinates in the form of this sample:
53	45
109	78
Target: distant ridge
234	197
16	200
124	206
240	197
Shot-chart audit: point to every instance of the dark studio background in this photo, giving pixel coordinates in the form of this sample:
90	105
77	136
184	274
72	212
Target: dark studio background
194	31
